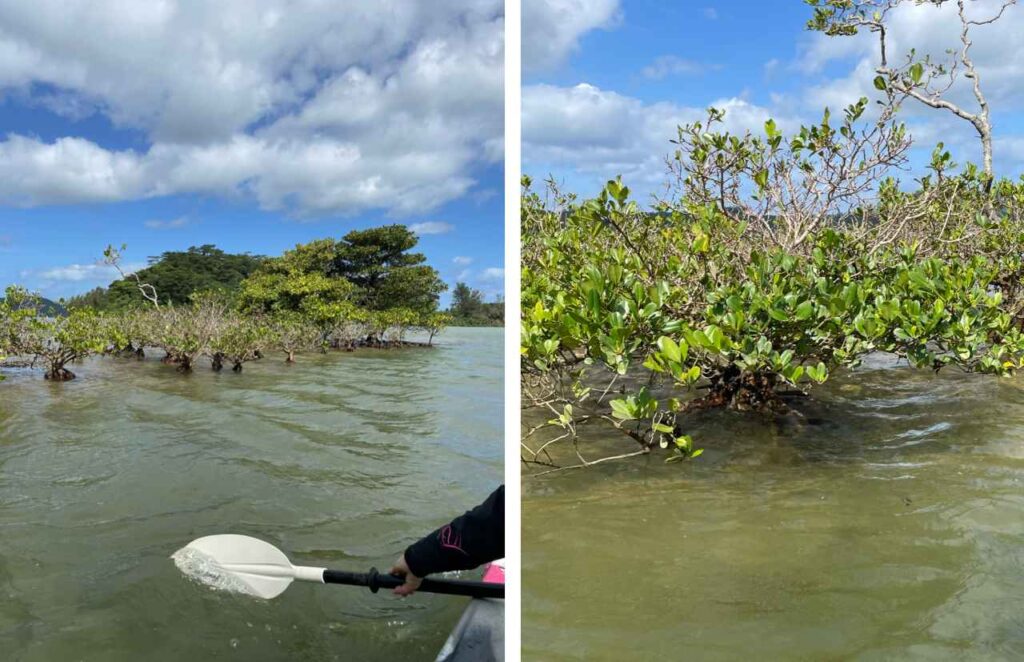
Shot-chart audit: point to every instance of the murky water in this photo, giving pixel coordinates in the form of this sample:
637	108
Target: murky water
891	527
341	461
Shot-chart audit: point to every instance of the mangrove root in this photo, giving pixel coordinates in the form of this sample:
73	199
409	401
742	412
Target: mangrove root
61	374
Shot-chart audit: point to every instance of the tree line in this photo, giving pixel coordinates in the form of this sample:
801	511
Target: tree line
368	289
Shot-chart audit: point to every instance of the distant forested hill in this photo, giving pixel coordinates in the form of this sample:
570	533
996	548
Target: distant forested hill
176	275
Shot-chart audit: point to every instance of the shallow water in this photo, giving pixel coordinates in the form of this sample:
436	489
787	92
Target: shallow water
340	460
890	526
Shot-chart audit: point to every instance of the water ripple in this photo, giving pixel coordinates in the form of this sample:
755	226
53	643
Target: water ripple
885	523
344	457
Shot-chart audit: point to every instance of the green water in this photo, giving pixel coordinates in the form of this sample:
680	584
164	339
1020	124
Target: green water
341	460
889	527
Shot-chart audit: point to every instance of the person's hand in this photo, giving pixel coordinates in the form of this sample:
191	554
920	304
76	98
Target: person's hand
412	582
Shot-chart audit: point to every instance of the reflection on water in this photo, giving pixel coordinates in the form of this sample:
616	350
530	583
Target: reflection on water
340	460
886	525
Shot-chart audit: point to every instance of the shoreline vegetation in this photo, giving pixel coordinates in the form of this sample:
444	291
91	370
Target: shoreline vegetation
771	263
206	307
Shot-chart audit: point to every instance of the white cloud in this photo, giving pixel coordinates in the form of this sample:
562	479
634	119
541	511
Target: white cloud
78	273
462	260
387	105
172	224
711	13
670	65
840	92
483	195
71	106
67	170
431	227
552	28
493	273
601	134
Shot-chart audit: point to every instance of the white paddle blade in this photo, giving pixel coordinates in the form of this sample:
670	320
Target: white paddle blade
239	563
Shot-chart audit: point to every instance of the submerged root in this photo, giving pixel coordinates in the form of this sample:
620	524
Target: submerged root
742	391
60	374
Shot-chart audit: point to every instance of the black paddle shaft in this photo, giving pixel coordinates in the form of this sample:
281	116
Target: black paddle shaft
375	581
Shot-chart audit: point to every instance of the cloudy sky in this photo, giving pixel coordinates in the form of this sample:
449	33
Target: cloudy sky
249	124
606	82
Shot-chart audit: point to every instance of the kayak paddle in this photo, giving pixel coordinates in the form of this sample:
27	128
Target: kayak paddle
252	566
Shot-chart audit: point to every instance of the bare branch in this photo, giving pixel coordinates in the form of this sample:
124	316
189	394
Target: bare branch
112	257
591	463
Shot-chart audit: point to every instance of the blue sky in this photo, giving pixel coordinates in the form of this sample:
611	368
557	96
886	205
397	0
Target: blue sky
607	81
725	43
249	125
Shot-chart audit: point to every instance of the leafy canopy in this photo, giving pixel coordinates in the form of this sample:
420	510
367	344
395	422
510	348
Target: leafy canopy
378	262
371	269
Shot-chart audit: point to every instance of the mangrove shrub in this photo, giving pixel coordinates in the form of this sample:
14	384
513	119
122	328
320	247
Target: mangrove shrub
633	318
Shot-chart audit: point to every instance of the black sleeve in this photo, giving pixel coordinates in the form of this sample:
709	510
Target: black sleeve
468	541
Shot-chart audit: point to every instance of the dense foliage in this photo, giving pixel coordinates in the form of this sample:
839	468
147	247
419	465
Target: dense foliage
369	269
298	283
378	262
